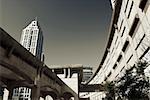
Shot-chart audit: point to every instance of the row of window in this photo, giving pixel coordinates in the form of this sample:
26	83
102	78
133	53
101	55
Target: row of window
131	58
130	10
32	50
141	6
126	45
21	91
131	32
134	25
26	37
25	44
31	31
136	21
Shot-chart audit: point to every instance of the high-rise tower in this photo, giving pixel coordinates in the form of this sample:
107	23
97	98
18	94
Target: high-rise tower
32	39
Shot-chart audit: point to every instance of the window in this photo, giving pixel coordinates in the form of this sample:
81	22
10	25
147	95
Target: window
125	46
122	69
119	58
117	75
31	38
107	60
33	50
145	52
121	24
114	67
126	6
123	31
109	74
27	31
112	49
143	4
116	39
35	31
133	27
25	37
130	58
26	90
117	45
130	9
33	44
34	38
140	42
31	32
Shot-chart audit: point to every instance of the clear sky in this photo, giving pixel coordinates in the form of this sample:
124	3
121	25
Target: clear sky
75	31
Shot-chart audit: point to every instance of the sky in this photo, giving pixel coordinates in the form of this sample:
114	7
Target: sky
75	31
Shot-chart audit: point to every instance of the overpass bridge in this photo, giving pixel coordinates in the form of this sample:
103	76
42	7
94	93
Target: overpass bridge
19	68
69	71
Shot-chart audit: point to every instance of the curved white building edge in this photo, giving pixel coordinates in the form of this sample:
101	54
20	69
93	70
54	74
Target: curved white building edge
129	40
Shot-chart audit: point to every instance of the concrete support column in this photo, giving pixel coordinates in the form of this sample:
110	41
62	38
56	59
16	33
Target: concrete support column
44	98
10	89
1	92
35	93
57	99
76	98
60	98
69	98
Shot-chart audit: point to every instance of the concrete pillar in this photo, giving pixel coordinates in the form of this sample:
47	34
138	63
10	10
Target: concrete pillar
35	93
58	98
76	98
61	98
10	89
66	98
1	92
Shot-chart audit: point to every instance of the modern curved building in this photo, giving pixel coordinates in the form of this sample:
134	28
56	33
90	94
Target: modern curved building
129	41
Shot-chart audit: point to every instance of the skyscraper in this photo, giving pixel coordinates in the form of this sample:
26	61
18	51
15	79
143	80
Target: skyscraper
32	40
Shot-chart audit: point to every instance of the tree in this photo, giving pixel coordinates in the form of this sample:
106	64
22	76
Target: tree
134	84
110	90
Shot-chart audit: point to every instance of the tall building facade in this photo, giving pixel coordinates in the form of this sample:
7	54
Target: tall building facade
129	41
32	40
